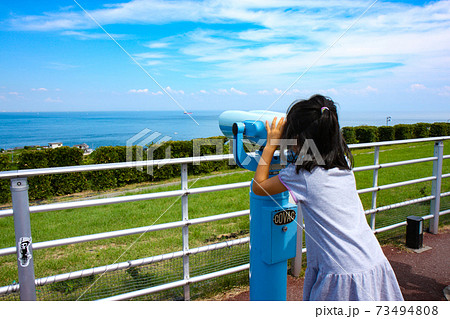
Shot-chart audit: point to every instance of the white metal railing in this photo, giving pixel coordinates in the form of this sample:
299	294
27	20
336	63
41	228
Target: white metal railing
22	210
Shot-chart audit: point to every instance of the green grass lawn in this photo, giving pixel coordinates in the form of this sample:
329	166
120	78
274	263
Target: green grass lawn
84	221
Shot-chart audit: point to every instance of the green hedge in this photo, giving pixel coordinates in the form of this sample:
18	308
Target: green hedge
103	180
386	133
366	134
5	194
42	187
421	130
439	129
108	179
70	183
403	131
349	135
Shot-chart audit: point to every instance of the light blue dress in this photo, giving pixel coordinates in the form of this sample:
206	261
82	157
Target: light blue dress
344	258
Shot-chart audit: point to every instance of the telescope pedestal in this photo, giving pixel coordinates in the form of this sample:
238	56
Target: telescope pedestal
272	243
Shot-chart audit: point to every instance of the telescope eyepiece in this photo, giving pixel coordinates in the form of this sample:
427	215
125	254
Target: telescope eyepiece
235	129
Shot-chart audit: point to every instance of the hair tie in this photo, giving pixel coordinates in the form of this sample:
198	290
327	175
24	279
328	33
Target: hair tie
323	109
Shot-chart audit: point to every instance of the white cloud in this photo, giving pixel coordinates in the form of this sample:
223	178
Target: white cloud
274	91
150	55
171	91
157	45
83	35
138	91
14	93
277	91
39	89
233	90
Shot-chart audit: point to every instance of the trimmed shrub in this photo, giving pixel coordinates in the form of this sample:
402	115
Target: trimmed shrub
102	180
349	135
70	183
439	129
40	187
45	186
366	134
210	148
5	193
385	133
403	131
421	130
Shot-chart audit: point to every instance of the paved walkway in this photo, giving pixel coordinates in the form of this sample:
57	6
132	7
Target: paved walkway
421	276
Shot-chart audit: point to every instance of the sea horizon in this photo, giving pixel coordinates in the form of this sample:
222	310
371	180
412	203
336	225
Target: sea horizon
111	128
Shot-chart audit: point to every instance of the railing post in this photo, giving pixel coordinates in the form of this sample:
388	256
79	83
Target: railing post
22	229
435	206
376	161
296	262
185	230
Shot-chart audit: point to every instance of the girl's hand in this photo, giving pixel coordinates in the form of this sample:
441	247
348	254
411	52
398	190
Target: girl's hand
263	185
274	132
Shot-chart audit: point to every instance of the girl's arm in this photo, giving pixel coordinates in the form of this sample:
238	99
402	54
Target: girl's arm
263	185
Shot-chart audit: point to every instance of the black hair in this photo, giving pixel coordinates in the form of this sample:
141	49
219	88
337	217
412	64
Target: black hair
315	121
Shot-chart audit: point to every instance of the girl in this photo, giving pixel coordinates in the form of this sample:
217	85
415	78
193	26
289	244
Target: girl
345	260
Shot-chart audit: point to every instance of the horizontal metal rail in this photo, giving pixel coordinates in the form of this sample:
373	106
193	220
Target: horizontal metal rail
397	205
175	284
393	226
125	265
109	166
397	142
125	232
131	198
394	185
127	199
393	164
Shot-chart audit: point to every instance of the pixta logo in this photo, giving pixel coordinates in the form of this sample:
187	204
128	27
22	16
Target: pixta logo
148	141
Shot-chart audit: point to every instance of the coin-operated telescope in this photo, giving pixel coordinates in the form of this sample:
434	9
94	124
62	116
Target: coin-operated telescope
273	220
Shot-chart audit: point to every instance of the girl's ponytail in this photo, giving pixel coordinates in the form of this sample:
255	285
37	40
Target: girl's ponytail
317	119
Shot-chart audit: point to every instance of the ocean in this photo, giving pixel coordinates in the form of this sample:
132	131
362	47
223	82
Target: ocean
102	128
116	128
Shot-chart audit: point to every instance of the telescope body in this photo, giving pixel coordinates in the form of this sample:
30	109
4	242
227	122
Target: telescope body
254	122
273	220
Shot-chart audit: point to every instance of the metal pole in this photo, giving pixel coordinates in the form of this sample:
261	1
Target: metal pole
376	161
22	229
435	206
185	230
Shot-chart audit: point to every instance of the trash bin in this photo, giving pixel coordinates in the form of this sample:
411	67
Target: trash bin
414	232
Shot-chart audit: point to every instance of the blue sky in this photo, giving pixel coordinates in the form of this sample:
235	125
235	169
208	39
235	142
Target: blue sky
236	54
